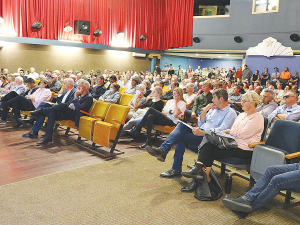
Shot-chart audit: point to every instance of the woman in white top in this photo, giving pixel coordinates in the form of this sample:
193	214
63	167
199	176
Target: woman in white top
168	117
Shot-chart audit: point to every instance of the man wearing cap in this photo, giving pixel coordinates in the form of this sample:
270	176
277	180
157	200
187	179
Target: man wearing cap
275	75
28	103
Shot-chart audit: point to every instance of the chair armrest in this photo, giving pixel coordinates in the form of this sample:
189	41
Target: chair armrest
117	121
292	155
252	145
84	112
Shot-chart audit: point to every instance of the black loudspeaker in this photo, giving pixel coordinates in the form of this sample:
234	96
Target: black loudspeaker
143	37
196	40
238	39
82	27
36	25
295	37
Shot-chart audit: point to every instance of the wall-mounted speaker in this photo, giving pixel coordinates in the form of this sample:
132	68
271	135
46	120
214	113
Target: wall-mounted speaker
295	37
82	27
36	25
143	37
238	39
196	40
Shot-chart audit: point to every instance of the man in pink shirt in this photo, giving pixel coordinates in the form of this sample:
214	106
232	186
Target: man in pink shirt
26	104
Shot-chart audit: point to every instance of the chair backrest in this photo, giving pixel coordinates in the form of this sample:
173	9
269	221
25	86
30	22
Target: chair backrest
285	136
266	126
125	99
117	112
99	109
122	90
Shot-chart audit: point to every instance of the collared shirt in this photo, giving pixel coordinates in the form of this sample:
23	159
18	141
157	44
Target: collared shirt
41	95
19	89
292	112
235	98
275	76
266	109
65	96
218	119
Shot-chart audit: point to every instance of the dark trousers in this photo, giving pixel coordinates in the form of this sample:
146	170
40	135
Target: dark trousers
57	112
40	120
153	117
9	96
209	152
18	103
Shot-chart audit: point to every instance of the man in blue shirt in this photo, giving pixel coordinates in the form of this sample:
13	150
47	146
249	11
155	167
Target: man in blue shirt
215	117
289	111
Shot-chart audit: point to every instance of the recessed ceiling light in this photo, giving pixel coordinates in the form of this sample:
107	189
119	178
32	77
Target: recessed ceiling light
68	28
1	19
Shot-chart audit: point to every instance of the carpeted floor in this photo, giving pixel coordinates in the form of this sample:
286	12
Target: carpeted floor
124	191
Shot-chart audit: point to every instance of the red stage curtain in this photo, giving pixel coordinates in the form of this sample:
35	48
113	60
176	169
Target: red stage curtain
166	23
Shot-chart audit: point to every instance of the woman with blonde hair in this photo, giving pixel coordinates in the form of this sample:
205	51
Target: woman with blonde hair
173	109
154	102
247	128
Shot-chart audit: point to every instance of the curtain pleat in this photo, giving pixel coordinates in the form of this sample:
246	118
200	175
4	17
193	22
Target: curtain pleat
166	23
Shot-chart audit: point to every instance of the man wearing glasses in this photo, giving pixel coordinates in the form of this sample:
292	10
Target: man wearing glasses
289	110
268	105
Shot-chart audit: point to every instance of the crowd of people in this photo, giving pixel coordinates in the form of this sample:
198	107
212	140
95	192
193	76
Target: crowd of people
231	102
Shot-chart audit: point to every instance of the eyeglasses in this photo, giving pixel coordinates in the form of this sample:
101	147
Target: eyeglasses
287	96
243	101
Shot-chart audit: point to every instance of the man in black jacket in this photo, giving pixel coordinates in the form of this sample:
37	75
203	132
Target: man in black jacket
99	89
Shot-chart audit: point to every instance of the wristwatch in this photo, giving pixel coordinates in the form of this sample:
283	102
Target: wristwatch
170	111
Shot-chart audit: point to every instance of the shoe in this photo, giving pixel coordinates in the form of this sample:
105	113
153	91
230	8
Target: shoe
2	122
17	125
237	204
190	187
170	173
37	112
195	172
31	134
148	143
43	142
29	121
156	152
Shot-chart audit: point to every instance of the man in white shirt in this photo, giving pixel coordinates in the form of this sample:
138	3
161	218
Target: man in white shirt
33	74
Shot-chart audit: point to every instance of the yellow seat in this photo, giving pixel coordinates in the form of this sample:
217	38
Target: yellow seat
122	90
125	99
107	132
86	123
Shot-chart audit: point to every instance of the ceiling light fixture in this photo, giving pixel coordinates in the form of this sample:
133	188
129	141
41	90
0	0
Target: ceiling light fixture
120	34
97	32
1	19
68	28
36	25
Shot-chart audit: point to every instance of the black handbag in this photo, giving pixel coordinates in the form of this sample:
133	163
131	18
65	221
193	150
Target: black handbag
217	140
208	191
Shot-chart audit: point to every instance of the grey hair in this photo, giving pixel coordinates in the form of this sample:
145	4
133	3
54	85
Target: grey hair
272	92
85	83
69	81
190	84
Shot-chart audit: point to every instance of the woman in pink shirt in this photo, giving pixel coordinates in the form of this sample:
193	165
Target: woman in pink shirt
247	128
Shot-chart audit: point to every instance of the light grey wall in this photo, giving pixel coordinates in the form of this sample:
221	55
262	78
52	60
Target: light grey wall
218	33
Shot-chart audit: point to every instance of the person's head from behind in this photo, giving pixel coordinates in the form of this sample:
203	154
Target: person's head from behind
267	96
250	101
220	97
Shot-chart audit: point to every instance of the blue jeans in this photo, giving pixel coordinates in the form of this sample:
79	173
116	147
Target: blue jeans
274	179
188	113
182	137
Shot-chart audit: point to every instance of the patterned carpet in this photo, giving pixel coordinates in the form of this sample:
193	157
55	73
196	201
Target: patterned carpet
125	191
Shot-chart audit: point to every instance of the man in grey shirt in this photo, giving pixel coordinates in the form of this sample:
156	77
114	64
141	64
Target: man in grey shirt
268	105
246	74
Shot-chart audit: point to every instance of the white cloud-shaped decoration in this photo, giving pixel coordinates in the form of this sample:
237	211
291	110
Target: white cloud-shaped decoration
270	47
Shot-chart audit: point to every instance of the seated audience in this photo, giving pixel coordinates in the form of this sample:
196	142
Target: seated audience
29	103
169	94
273	180
289	110
55	84
99	89
173	109
154	102
215	117
189	97
11	84
247	128
112	95
138	100
82	101
132	89
268	105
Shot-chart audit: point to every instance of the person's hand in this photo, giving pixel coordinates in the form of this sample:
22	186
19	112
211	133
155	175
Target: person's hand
198	132
230	102
193	115
208	107
78	92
